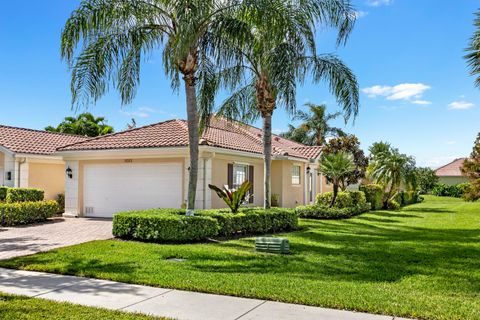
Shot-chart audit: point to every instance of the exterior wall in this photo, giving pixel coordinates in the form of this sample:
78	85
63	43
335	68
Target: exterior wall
48	177
290	195
452	180
2	170
9	166
74	186
220	177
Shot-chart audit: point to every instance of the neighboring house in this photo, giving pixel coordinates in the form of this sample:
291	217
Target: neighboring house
27	159
451	173
148	167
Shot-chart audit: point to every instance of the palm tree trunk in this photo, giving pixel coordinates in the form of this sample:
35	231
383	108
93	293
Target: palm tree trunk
193	132
335	193
267	151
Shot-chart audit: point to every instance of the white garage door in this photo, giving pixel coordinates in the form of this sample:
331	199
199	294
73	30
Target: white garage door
121	187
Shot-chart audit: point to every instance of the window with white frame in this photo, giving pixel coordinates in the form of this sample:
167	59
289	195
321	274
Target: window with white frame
240	174
296	169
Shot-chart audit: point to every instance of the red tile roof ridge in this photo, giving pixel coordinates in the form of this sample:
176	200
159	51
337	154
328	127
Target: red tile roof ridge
122	132
250	134
44	131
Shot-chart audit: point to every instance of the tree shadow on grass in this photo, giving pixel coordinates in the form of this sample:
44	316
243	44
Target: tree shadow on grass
428	210
359	252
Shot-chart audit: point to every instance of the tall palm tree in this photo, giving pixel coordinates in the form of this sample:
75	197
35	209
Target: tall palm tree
394	169
473	55
269	54
336	166
316	124
84	124
115	34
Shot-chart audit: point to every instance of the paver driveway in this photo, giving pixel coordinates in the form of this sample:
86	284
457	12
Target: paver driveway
24	240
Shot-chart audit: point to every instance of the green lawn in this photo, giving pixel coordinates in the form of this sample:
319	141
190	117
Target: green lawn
421	262
24	308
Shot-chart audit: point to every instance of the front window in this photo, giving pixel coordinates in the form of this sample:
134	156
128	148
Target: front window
240	175
296	174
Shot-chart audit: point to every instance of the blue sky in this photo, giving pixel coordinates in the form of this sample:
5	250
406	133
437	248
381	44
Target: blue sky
407	55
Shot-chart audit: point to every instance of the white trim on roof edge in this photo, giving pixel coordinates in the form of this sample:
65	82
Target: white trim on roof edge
156	152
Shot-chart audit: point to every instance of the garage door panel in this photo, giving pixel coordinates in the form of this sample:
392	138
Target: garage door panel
120	187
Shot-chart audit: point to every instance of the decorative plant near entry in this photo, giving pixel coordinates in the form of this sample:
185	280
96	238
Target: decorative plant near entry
233	198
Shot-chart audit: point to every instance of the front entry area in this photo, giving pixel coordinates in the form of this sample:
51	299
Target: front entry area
111	188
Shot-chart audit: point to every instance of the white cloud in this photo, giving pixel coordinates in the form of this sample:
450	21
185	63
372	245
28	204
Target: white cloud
360	14
461	105
378	3
422	102
451	142
403	91
138	114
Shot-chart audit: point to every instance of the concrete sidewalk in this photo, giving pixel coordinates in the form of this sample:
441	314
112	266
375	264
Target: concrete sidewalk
169	303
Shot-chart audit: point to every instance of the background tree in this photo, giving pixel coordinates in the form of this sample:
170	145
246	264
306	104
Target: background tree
426	179
393	170
84	124
315	128
471	168
336	167
113	35
351	145
273	52
298	134
473	55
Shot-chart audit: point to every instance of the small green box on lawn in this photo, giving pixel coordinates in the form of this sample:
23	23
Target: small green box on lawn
274	245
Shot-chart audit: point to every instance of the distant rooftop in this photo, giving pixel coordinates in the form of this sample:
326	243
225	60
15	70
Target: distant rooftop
451	169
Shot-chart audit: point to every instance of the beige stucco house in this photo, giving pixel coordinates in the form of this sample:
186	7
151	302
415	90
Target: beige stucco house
148	167
451	173
27	159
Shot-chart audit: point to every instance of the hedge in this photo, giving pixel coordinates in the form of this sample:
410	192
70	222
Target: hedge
3	193
24	195
405	198
158	226
443	190
26	212
253	221
374	195
344	199
321	212
171	225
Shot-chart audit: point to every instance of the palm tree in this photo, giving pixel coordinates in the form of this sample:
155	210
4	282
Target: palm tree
115	34
315	123
393	169
336	166
299	134
84	124
269	54
473	55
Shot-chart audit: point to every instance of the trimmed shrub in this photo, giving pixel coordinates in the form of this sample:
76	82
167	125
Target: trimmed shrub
162	226
344	199
406	198
373	194
253	221
26	212
393	205
443	190
3	193
358	197
171	225
321	212
24	195
61	202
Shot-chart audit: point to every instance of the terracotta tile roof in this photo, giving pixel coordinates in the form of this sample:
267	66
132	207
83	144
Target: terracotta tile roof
174	133
29	141
451	169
